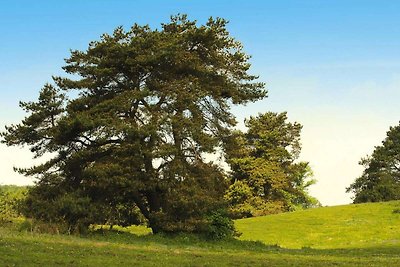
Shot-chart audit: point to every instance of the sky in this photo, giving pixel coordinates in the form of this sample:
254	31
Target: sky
334	66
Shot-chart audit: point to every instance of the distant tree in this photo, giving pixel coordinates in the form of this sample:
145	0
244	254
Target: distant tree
380	180
266	178
11	197
149	104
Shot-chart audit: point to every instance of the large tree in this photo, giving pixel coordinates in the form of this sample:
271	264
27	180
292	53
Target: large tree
149	104
266	176
380	180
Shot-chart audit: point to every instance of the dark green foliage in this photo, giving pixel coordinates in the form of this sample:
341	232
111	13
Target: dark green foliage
266	176
187	207
380	180
148	104
220	226
51	202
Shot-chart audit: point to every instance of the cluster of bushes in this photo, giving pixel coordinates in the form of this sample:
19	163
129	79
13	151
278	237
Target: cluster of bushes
11	198
72	214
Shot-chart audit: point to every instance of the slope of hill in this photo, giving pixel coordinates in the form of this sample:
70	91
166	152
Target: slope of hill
353	235
348	226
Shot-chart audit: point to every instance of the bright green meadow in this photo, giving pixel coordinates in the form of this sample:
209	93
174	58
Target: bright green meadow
351	235
350	226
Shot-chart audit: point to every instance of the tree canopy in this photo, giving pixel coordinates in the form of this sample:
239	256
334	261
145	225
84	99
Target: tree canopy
148	104
266	178
380	180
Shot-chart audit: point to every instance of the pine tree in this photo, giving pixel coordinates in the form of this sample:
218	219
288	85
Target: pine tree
150	103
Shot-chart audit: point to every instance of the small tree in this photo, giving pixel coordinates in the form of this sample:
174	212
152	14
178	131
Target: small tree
150	103
266	177
380	180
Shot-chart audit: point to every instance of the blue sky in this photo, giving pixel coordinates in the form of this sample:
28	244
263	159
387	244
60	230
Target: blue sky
333	65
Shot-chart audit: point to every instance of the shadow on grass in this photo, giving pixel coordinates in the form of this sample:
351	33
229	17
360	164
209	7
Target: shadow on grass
188	241
178	240
194	242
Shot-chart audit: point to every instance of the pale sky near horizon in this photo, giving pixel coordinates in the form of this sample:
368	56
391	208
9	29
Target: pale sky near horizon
334	66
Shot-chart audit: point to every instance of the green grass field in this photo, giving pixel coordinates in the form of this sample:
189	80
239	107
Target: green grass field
349	226
353	235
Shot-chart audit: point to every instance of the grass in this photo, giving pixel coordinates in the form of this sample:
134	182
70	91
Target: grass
378	244
348	226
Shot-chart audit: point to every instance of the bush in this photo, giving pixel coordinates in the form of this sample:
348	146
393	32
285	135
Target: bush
220	226
10	201
36	226
57	212
54	209
26	226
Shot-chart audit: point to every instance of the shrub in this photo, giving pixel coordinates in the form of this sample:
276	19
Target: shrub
220	226
10	200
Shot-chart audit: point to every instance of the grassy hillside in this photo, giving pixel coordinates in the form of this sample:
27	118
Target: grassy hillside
349	226
123	249
355	235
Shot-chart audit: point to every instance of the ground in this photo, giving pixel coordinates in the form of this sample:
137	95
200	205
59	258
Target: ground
352	235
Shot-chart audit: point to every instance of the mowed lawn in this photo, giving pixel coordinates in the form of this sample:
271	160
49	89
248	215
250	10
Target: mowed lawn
327	235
